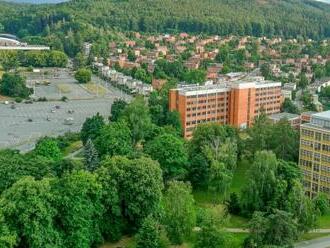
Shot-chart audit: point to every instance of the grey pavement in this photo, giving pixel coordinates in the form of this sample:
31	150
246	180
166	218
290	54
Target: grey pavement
18	133
20	128
57	78
315	243
119	93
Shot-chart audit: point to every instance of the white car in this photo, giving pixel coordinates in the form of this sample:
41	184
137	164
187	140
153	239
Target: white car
68	121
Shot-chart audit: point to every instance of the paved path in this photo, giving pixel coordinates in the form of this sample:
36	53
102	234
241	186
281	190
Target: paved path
72	155
243	230
315	243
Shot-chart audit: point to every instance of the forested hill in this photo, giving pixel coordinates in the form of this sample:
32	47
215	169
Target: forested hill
289	18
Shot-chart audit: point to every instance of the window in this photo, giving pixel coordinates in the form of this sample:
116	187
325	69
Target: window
326	137
307	133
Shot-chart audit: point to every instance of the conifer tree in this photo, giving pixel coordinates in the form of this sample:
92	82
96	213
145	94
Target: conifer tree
91	156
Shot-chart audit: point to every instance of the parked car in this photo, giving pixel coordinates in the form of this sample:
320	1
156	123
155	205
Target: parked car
68	121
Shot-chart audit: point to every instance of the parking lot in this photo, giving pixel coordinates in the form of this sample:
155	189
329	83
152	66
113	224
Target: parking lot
22	126
56	83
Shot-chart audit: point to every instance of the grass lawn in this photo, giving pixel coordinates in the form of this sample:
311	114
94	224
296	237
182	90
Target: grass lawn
238	239
235	221
203	197
240	176
324	221
125	242
75	146
64	88
94	89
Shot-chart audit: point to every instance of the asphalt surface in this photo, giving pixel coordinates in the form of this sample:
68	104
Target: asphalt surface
315	243
16	131
21	127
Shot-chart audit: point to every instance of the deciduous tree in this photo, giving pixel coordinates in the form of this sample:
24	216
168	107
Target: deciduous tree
171	154
180	216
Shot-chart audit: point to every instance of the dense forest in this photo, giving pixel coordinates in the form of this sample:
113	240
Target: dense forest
288	18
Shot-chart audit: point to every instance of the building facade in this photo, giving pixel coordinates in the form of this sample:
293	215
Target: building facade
236	103
314	154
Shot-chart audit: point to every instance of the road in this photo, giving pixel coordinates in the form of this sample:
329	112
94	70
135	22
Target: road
315	243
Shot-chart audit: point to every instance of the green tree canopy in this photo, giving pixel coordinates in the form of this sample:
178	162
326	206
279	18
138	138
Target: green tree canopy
14	85
114	139
117	108
77	196
150	235
48	148
91	128
137	116
14	166
139	185
83	76
28	211
180	215
171	154
278	229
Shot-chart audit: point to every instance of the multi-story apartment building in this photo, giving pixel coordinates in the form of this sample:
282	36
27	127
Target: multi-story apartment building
233	102
314	154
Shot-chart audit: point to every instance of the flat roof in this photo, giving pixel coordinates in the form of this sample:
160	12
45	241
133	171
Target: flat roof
308	113
322	115
284	115
227	85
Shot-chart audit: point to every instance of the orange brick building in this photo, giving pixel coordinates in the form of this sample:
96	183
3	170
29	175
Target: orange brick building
235	103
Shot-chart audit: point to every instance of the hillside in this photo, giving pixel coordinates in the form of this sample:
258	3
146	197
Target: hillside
289	18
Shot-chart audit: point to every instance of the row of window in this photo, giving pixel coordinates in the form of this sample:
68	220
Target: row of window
206	112
318	135
268	103
268	110
220	118
319	147
306	153
305	163
206	95
205	107
207	101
